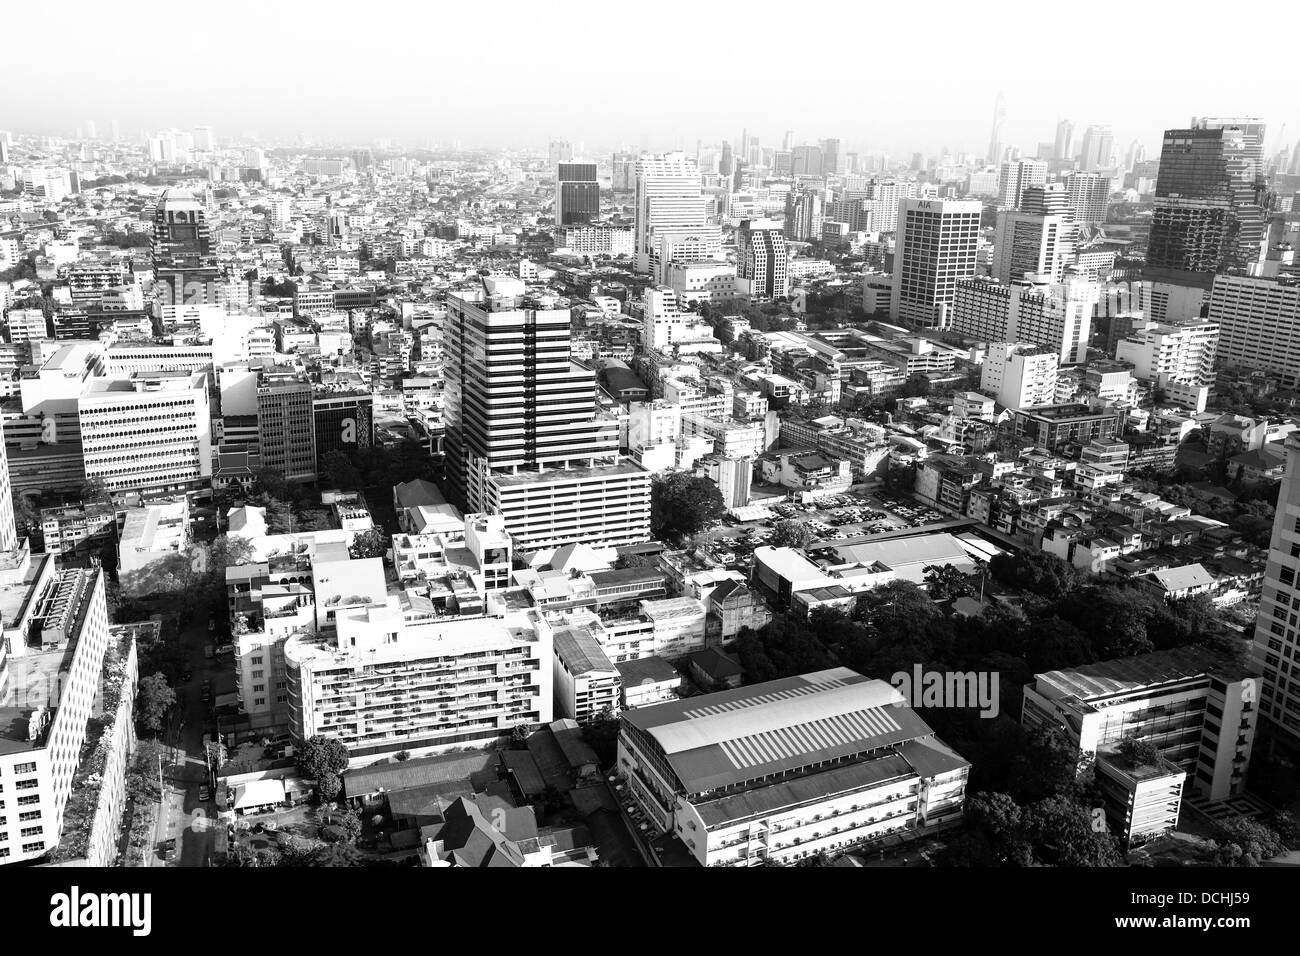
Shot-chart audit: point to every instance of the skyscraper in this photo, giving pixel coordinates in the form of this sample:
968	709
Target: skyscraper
1277	634
1209	214
8	524
1089	195
577	194
995	138
1064	145
762	259
808	161
1098	148
803	213
560	151
524	438
669	205
727	164
183	258
1015	177
831	156
935	248
1028	242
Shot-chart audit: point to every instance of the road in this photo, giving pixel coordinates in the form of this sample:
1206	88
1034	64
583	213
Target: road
192	822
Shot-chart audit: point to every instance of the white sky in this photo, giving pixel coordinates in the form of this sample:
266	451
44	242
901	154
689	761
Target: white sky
662	73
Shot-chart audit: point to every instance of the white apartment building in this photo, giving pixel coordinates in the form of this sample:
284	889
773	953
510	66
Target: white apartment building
148	433
704	281
668	200
936	247
1163	353
1052	315
1259	324
1021	376
48	690
395	677
1089	196
762	260
1015	176
596	240
788	769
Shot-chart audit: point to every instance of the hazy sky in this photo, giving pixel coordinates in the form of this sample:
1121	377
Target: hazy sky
509	73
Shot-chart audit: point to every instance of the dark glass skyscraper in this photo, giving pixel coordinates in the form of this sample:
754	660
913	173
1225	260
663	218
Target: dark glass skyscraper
577	194
1209	214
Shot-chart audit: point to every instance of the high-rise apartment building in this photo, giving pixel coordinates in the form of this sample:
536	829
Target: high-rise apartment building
1015	177
830	156
803	213
936	245
1089	195
1051	315
1063	148
1259	324
577	194
1208	214
762	259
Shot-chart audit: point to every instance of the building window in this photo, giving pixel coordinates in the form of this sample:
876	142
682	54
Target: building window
24	768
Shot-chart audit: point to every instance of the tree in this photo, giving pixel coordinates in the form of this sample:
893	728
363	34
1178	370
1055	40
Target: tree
946	582
519	737
601	734
402	755
338	471
682	504
1247	842
369	544
351	824
153	700
322	756
328	787
791	534
1139	753
917	386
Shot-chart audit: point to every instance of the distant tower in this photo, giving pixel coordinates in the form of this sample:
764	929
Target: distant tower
999	117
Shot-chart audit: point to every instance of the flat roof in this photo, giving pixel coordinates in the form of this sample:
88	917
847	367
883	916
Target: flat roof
1128	674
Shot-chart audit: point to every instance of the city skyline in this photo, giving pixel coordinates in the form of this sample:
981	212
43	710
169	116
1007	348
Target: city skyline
439	92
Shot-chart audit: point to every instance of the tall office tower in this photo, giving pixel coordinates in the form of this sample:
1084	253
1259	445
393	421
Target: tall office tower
1015	177
808	161
4	151
1063	147
803	214
995	138
1052	199
1277	633
669	203
91	130
1259	324
935	248
762	259
149	432
255	158
1089	196
183	258
560	151
204	141
1098	148
56	634
524	437
830	156
753	152
1209	214
115	131
577	194
285	424
782	164
1031	243
851	163
362	159
727	164
1137	153
787	143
